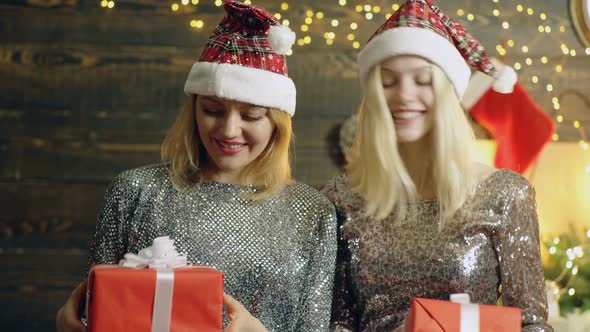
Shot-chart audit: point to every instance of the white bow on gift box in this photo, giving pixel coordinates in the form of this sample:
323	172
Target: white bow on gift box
161	254
163	257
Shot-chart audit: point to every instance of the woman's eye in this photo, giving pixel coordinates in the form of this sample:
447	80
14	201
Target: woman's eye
212	112
388	83
251	118
425	79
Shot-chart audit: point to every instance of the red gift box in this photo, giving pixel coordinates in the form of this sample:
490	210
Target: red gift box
428	315
122	299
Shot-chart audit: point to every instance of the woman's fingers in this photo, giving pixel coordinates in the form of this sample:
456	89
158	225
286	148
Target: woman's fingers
234	307
68	316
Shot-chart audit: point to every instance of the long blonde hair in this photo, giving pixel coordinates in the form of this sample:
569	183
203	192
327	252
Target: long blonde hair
187	157
376	170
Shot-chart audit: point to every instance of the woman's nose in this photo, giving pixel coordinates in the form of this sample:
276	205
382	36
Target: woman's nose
406	91
231	125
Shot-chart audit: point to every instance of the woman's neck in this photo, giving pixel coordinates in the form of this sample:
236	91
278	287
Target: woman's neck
417	157
224	178
229	177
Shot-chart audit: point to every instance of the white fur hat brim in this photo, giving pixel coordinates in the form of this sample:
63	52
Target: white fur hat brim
416	41
245	84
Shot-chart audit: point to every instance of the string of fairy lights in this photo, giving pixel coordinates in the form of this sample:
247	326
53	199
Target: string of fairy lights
571	267
333	30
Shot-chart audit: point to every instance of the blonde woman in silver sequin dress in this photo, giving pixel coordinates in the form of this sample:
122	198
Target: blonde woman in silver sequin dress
225	192
418	217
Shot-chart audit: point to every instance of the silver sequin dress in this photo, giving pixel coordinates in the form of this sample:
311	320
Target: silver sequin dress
278	255
489	250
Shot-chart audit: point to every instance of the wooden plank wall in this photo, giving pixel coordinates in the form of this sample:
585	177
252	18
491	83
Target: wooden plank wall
87	92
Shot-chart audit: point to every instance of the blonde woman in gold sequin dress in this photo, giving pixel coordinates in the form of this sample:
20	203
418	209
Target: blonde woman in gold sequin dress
418	217
225	192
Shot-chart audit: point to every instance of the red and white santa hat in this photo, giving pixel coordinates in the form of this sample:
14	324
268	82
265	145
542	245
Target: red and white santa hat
244	60
420	28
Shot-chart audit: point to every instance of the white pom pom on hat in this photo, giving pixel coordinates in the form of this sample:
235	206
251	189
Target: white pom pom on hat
505	80
281	38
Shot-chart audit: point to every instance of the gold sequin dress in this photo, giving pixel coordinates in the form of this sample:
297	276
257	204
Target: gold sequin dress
278	255
490	249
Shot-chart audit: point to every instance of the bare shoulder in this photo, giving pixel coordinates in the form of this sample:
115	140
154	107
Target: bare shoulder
482	171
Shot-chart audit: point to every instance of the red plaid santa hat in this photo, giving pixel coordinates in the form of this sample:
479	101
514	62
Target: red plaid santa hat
244	60
420	28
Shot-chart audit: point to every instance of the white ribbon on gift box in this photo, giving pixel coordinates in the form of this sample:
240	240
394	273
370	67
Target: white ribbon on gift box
469	313
163	257
469	317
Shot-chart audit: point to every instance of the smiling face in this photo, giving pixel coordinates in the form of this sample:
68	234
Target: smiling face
233	133
407	85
